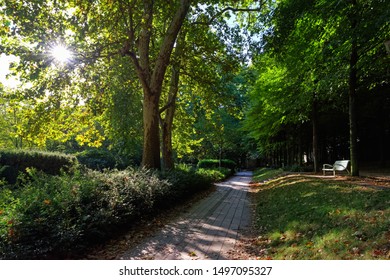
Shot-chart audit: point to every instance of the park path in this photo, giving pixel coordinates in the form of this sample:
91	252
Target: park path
207	231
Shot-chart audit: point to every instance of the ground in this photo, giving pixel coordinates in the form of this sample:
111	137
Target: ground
245	249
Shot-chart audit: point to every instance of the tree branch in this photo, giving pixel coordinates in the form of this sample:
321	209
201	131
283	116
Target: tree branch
144	38
234	10
167	45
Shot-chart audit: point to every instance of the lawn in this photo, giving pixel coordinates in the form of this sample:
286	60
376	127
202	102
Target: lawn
304	217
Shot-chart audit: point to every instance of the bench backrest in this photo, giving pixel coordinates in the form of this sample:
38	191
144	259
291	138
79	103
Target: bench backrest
340	165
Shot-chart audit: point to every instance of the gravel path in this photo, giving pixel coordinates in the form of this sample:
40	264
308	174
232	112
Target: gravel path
207	231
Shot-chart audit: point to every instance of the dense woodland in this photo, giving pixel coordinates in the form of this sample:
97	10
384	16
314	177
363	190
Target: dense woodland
154	83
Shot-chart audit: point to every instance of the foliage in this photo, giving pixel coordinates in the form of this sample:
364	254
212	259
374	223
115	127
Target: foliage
118	58
99	159
215	163
52	216
209	116
304	77
188	181
307	218
215	174
16	161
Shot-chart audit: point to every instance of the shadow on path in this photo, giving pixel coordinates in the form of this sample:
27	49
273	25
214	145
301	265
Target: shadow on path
207	231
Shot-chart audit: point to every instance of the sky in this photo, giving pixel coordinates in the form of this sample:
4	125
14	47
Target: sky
4	70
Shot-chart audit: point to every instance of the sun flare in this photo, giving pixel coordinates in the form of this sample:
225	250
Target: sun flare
61	54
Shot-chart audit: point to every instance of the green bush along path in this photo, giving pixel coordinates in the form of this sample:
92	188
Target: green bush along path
207	231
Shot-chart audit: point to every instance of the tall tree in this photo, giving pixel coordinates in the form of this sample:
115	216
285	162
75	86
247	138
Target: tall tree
143	31
327	48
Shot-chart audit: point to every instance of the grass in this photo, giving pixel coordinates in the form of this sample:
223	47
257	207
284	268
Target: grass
265	174
303	217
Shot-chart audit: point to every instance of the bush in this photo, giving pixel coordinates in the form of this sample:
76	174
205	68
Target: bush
186	181
60	214
99	159
215	163
8	174
16	161
214	175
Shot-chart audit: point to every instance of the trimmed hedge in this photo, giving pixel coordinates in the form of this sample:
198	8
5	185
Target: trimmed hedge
216	163
52	216
15	161
97	159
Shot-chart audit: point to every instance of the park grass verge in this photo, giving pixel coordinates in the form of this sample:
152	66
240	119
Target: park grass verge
265	174
303	217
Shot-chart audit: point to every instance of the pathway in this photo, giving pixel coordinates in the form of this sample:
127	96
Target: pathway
207	231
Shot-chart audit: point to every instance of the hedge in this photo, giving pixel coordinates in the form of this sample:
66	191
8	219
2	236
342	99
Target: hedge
97	159
216	163
12	162
54	216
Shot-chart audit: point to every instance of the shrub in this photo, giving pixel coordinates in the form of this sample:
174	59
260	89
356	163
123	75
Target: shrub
63	213
19	160
98	159
185	181
214	175
8	174
215	163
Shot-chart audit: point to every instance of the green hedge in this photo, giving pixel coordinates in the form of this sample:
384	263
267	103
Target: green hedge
51	216
215	163
98	159
15	161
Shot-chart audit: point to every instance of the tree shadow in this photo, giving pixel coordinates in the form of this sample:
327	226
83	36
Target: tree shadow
299	217
209	229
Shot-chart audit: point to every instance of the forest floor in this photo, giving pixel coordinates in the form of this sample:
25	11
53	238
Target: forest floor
312	242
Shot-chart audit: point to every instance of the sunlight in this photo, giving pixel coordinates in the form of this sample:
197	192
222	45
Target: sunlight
61	54
9	81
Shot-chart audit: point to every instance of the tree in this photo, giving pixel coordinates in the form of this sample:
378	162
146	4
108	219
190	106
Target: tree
327	47
143	31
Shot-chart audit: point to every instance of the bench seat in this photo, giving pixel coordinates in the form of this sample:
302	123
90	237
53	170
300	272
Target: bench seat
339	165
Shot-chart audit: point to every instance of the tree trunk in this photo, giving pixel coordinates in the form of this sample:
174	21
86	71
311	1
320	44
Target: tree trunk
352	94
170	108
315	133
167	150
166	127
151	148
352	112
382	130
152	78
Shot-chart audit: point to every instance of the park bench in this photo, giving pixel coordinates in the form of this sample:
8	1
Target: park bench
339	165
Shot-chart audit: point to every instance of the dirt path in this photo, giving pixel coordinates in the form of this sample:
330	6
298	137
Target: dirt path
207	231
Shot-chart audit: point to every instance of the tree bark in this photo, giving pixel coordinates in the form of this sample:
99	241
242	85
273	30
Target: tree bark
170	107
151	149
167	122
152	80
315	133
352	111
354	58
167	150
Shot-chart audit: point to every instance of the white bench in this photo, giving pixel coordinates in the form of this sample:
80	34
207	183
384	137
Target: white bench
339	165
